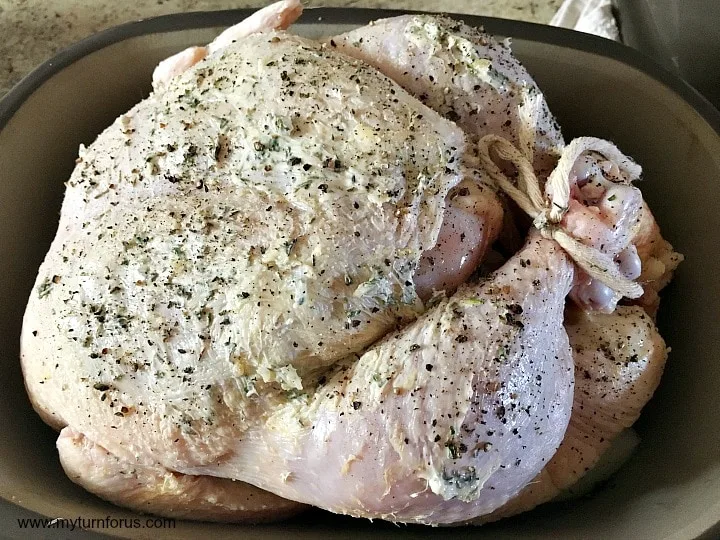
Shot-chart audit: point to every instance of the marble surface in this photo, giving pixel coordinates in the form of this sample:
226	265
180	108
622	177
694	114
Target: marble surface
31	31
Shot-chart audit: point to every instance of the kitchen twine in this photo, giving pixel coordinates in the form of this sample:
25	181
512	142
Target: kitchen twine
548	214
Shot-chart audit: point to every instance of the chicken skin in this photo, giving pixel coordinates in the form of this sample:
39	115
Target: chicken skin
156	490
619	359
247	226
465	75
264	279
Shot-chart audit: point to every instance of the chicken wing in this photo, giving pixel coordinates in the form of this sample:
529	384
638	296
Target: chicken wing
277	16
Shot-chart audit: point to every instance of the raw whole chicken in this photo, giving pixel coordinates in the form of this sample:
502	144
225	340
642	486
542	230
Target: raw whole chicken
261	274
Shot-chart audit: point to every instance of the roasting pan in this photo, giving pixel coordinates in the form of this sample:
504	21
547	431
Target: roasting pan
669	489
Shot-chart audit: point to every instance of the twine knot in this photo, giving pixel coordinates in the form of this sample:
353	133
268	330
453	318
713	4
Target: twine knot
544	224
547	214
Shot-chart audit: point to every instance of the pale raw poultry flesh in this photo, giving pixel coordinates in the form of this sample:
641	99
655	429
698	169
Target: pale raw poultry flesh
232	249
456	70
464	74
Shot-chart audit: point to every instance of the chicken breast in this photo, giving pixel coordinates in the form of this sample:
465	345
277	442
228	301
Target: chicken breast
465	75
156	490
255	222
474	216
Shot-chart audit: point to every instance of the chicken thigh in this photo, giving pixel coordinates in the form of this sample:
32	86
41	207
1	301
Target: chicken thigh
438	423
619	359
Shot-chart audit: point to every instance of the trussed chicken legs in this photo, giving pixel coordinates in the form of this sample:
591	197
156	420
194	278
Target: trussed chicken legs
438	423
